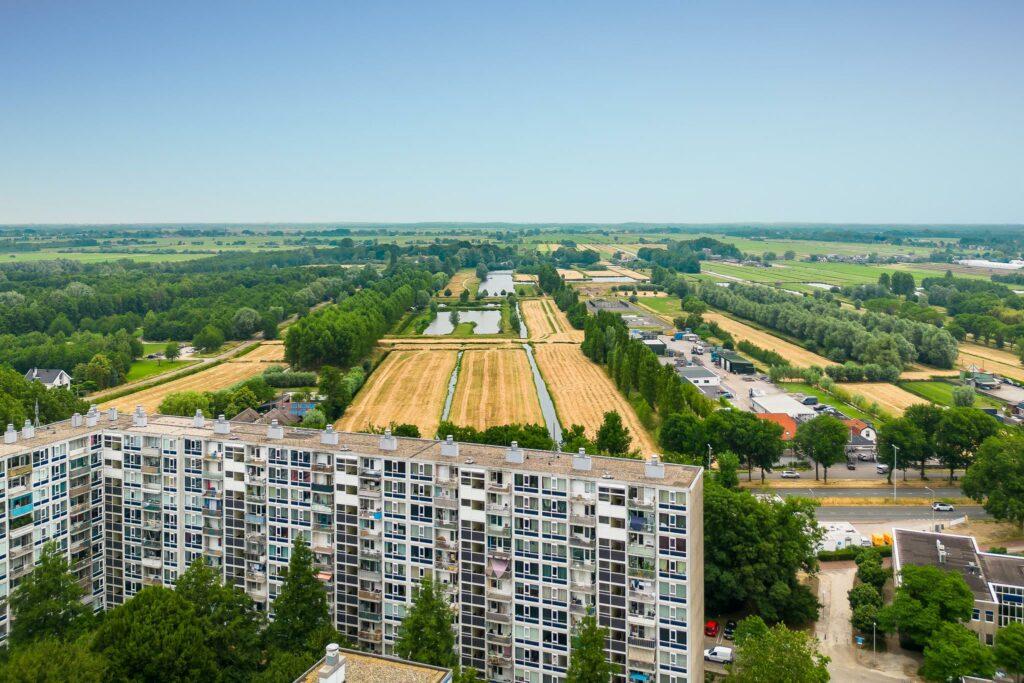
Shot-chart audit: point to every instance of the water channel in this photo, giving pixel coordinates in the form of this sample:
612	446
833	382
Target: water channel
487	322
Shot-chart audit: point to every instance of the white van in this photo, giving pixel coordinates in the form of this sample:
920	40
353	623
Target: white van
882	469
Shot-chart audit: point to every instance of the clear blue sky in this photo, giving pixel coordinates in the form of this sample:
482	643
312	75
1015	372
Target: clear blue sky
522	111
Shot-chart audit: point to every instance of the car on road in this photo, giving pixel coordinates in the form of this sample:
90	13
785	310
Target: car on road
719	653
865	457
711	628
727	394
790	474
730	630
882	469
939	506
851	465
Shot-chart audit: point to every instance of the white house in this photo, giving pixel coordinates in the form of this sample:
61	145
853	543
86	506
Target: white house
699	376
782	403
50	377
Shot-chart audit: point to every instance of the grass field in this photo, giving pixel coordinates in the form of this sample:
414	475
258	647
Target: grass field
409	387
462	280
797	274
827	399
144	368
583	393
546	322
942	393
495	387
889	397
218	377
990	360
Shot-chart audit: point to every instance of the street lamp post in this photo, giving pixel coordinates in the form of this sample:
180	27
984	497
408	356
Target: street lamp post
709	457
874	624
895	448
929	489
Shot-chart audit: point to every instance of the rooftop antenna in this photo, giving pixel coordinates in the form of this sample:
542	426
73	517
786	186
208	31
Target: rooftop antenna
37	411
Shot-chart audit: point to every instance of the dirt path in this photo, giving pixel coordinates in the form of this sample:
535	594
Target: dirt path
834	631
495	388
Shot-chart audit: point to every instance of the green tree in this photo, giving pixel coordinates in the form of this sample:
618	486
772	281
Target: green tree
587	663
870	569
244	322
926	417
683	433
574	438
823	440
996	478
612	436
727	474
963	397
53	661
48	602
1009	649
155	636
186	403
754	553
960	432
335	392
758	443
926	598
301	606
405	429
954	651
230	621
425	634
314	419
208	339
864	594
910	442
776	655
172	351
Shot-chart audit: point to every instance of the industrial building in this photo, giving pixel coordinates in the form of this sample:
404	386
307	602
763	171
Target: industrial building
734	362
526	542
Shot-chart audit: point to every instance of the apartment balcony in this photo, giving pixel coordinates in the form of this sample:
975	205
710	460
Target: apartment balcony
19	550
152	562
498	553
578	541
152	524
498	488
370	553
500	638
583	520
322	488
641	594
369	575
255	576
641	504
498	508
446	565
583	565
639	642
582	585
214	552
212	493
369	513
367	615
320	508
152	581
256	481
499	617
641	658
499	659
640	572
500	531
369	490
79	490
370	636
646	618
640	549
444	544
446	503
373	532
449	524
370	473
580	608
322	467
369	596
582	498
321	549
258	594
500	596
213	474
19	471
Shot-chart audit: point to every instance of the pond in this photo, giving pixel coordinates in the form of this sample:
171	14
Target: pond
487	322
496	282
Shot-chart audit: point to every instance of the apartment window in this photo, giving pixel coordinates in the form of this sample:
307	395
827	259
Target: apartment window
975	614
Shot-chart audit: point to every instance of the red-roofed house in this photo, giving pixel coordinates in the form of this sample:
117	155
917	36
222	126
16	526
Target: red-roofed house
860	428
787	423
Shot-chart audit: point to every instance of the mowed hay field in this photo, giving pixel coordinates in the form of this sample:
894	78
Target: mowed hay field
583	393
409	387
991	360
796	355
218	377
495	387
546	322
267	352
462	280
889	397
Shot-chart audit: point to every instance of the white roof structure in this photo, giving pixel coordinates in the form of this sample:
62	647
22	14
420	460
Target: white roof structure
781	403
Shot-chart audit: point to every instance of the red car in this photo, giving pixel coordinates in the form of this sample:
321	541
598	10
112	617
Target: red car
711	628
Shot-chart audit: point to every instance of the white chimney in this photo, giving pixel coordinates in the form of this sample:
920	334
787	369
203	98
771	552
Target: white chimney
221	426
274	430
333	668
11	435
92	417
450	447
28	431
654	468
77	420
199	420
581	461
514	453
388	442
329	437
139	418
112	414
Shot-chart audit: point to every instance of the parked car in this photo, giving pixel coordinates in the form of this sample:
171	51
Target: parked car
882	469
851	465
730	630
727	394
711	628
719	653
865	457
939	506
790	474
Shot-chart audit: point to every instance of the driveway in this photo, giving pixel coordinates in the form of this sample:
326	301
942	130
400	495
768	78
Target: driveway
850	663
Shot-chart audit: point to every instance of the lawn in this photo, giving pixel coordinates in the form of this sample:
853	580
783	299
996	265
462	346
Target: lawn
665	305
147	368
942	393
827	399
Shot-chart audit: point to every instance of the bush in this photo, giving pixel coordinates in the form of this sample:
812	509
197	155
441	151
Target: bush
290	379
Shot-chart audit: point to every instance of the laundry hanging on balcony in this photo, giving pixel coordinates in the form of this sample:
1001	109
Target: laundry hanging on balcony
497	567
636	523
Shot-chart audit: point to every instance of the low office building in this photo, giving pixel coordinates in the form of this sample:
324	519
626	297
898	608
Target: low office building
526	542
782	403
997	581
699	376
734	362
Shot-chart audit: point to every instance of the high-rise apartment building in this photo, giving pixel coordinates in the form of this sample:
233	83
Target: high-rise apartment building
526	542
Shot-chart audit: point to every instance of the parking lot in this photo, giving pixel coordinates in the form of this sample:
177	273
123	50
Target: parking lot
739	386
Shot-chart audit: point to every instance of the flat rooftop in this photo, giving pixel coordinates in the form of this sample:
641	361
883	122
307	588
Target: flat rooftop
367	668
961	555
695	372
421	450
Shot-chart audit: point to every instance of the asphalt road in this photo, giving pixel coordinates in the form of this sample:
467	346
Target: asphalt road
884	513
822	492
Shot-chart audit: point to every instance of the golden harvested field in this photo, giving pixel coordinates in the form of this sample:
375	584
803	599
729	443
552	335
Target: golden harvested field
409	387
927	374
583	393
990	360
268	351
890	397
629	273
431	342
546	322
570	275
463	279
524	277
218	377
495	388
796	355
